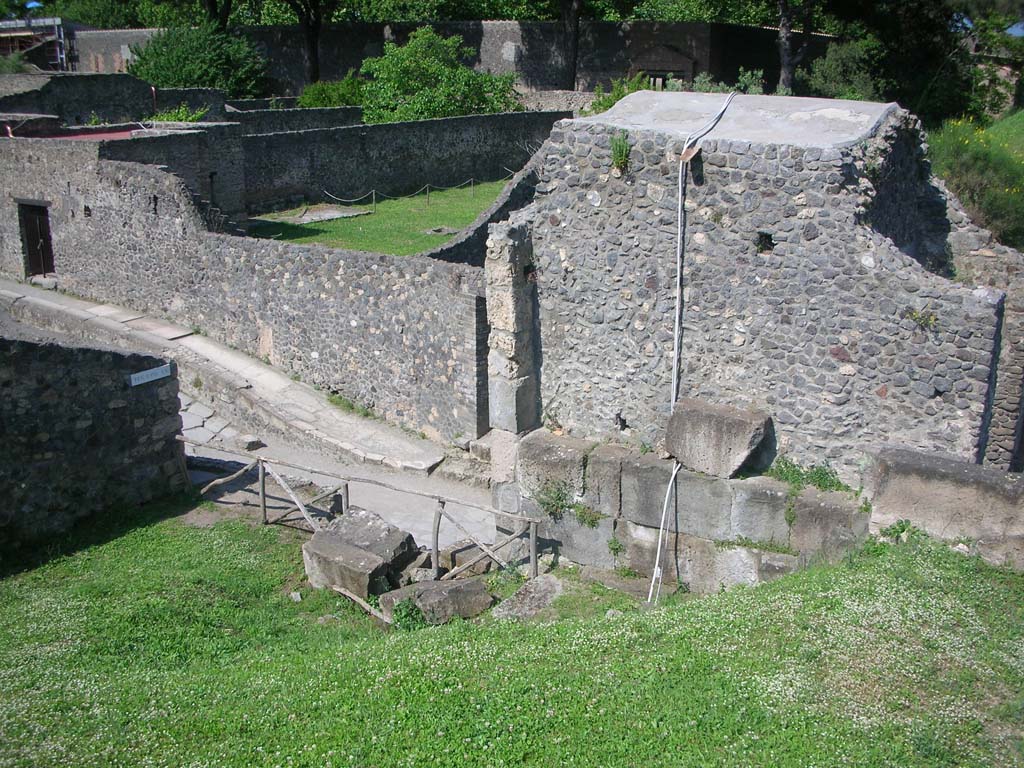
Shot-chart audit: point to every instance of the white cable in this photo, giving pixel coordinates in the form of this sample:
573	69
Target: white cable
661	534
677	337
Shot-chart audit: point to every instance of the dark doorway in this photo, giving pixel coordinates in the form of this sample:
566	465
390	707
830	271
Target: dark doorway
35	239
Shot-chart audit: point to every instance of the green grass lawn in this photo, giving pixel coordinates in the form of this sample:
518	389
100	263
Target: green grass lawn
399	227
169	645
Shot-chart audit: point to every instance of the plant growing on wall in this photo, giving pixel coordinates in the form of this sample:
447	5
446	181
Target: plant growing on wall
426	78
347	92
180	114
620	152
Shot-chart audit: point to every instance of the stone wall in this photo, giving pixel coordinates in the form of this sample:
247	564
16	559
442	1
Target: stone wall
393	158
718	532
793	303
978	507
532	50
78	438
77	99
277	120
398	334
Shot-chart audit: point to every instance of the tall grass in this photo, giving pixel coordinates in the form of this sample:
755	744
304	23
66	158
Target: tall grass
984	166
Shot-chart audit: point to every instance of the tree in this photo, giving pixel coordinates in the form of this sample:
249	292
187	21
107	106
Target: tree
426	78
312	15
790	58
15	9
200	57
217	12
571	39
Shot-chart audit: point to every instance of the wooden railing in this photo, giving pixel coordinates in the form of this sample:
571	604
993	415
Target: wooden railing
263	466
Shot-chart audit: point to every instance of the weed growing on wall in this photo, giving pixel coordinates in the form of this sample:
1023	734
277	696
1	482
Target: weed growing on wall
180	114
585	516
620	151
342	402
554	497
923	318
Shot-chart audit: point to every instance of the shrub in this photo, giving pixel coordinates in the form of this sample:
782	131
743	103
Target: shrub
425	78
200	57
846	71
620	89
180	114
347	92
985	168
751	82
12	65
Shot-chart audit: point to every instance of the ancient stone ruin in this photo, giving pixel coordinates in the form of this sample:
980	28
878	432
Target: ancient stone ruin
800	259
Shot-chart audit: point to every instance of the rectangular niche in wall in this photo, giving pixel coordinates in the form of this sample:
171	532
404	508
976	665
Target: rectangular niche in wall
34	220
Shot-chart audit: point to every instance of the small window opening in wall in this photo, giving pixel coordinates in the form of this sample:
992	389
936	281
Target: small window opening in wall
154	201
87	211
765	242
34	221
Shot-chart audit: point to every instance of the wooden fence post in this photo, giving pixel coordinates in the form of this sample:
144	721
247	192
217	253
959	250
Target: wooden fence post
344	498
435	551
263	491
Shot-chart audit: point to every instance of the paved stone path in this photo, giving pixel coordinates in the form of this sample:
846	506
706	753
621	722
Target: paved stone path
246	387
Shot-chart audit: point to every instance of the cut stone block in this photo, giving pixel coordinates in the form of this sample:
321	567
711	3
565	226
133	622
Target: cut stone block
366	530
702	565
827	525
441	601
700	505
330	561
759	510
530	599
547	458
578	542
603	491
719	439
462	552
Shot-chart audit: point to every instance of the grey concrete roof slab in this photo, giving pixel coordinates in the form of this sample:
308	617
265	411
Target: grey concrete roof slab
788	120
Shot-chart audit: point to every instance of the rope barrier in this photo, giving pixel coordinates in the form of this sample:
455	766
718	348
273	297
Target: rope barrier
426	187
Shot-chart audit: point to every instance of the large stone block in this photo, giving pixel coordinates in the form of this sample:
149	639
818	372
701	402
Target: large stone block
545	458
603	492
513	404
759	510
702	565
699	505
719	439
441	601
945	496
366	530
579	542
331	561
827	525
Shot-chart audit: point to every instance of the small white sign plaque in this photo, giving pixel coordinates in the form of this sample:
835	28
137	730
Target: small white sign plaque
152	374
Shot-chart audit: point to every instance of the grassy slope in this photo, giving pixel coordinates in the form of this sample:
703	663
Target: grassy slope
399	227
171	645
984	166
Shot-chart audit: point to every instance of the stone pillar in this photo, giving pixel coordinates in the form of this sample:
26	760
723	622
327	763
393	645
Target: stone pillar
513	356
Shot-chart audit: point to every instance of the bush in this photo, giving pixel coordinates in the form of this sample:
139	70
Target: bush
620	89
751	82
846	71
200	57
985	168
12	65
180	114
347	92
425	78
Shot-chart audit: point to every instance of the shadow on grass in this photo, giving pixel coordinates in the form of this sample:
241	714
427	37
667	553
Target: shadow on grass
92	531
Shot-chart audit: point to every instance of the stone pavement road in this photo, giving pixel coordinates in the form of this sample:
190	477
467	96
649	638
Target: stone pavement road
248	389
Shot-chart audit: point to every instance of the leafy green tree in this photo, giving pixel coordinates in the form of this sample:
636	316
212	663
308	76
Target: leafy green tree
847	71
426	78
15	9
200	57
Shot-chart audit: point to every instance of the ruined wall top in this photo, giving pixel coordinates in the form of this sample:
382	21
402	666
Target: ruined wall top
788	120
